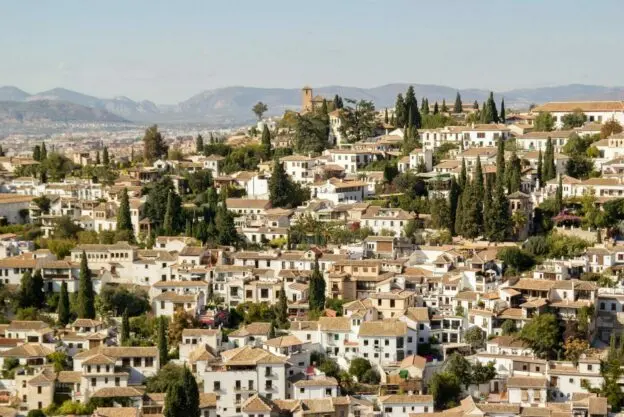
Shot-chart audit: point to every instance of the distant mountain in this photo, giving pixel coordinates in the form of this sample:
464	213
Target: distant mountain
9	93
39	111
232	105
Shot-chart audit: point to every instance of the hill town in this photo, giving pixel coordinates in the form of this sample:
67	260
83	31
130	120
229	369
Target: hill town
430	258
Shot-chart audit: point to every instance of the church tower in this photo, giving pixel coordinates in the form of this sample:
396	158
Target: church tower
306	98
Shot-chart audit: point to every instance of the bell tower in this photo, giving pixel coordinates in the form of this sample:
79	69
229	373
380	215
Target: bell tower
306	98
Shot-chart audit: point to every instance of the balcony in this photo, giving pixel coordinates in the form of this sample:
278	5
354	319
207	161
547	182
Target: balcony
244	389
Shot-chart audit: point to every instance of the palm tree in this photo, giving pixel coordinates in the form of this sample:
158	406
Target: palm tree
518	221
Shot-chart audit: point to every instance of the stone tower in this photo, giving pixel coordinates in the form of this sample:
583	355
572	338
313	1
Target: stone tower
306	98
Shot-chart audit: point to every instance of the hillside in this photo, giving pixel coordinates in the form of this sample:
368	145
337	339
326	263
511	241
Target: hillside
53	111
232	105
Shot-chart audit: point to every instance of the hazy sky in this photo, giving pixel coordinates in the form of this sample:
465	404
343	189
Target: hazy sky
167	51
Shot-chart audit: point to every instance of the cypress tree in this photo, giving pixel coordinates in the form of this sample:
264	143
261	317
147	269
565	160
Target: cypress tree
500	161
224	227
540	164
548	169
559	197
124	219
463	175
425	106
444	109
281	309
63	305
266	142
98	161
168	219
472	216
412	105
386	120
272	334
125	328
487	205
280	186
435	108
491	113
26	298
399	111
317	289
459	215
514	174
478	179
199	144
37	153
475	105
484	113
163	349
37	289
502	116
338	104
175	401
44	152
105	156
191	394
453	202
86	296
458	106
393	121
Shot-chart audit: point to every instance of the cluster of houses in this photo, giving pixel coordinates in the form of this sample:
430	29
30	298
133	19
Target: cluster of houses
404	307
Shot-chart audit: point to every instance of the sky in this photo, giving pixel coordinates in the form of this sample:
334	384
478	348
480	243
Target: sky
167	51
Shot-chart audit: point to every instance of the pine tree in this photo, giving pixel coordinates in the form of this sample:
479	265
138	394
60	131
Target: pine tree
540	165
199	144
105	156
453	202
125	328
168	219
317	289
386	120
86	296
266	142
444	109
154	146
37	153
191	394
281	309
124	219
548	169
163	349
435	108
63	305
175	401
502	117
458	106
44	152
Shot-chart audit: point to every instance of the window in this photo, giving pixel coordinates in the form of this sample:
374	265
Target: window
268	385
388	409
267	371
301	390
149	362
328	391
137	362
365	342
117	382
38	390
387	342
589	367
216	386
426	409
93	382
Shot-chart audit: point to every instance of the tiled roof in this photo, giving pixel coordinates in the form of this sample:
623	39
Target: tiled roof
383	328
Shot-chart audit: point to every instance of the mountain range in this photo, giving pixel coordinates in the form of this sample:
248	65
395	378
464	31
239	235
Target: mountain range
232	105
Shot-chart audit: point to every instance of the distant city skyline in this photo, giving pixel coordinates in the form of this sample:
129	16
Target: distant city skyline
166	52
